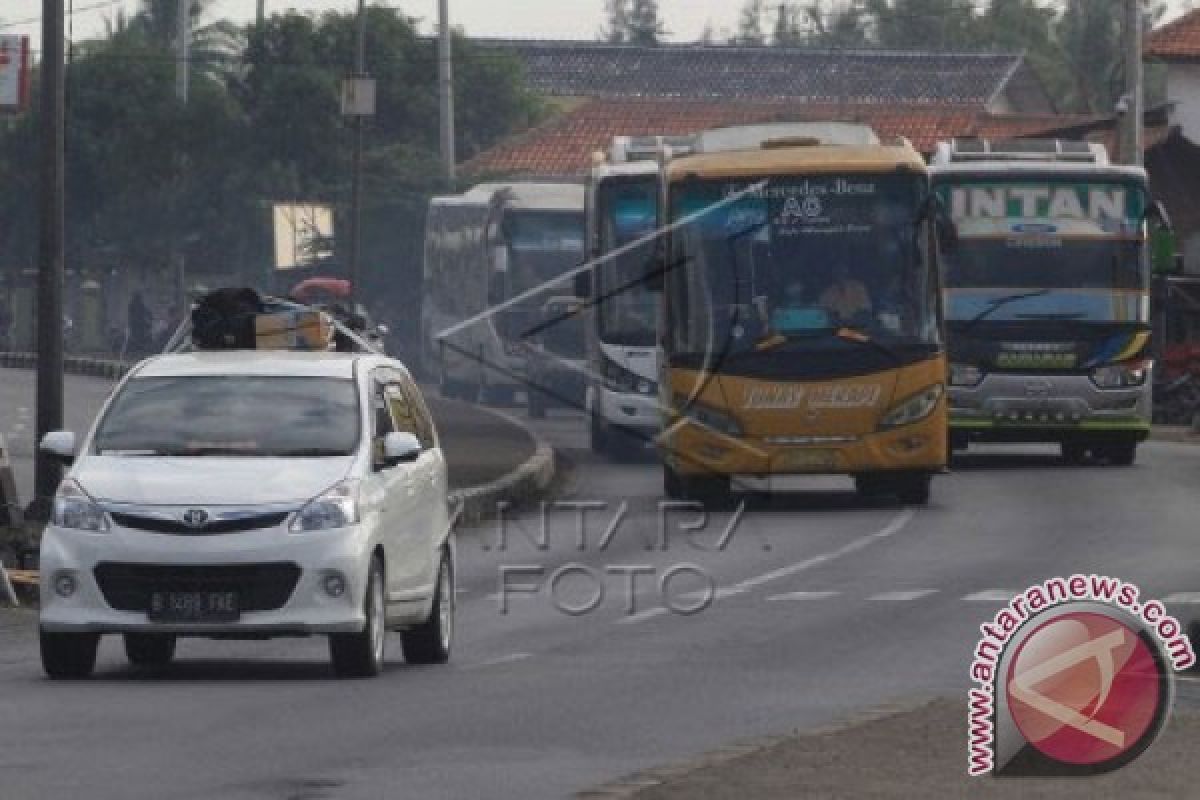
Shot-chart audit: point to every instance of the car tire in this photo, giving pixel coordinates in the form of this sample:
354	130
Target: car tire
149	649
598	436
915	490
431	641
67	656
361	655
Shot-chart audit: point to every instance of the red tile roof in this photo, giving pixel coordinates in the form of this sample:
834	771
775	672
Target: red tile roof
1178	40
563	146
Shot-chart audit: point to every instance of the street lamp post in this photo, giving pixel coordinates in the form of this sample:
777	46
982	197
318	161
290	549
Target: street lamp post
360	73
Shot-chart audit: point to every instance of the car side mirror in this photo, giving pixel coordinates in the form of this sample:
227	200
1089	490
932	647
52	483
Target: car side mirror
400	447
60	445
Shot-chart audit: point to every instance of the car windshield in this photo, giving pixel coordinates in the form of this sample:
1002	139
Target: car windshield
1074	252
799	259
628	311
240	415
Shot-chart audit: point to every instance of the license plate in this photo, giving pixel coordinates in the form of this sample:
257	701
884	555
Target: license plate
806	460
194	606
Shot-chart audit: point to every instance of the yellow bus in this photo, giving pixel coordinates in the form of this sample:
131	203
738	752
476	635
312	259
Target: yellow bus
802	330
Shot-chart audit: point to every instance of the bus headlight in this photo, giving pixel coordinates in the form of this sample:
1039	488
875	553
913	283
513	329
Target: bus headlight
965	375
708	417
1121	376
914	408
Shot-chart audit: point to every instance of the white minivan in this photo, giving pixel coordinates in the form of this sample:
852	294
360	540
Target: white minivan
248	495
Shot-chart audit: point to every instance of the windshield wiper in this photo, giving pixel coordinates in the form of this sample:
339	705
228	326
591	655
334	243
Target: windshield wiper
998	303
859	336
1062	315
189	452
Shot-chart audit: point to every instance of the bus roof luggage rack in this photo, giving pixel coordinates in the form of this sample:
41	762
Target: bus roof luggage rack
647	148
958	151
754	137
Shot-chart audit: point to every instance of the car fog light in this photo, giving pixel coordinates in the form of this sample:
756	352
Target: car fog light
334	584
65	584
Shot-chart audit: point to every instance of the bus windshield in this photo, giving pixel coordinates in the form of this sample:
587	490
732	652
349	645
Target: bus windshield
542	246
797	262
626	310
1074	252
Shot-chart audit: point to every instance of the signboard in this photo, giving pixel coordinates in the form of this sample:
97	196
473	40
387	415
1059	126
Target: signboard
14	72
303	235
1049	210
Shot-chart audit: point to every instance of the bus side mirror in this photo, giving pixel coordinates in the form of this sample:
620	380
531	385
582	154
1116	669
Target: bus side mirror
1157	212
583	283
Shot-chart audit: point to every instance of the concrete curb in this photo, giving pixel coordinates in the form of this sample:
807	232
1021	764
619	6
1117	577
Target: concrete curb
1180	434
629	787
74	365
526	483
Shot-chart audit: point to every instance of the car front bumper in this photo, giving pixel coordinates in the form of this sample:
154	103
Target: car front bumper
306	609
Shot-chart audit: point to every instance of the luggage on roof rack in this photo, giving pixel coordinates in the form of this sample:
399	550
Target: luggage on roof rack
224	319
242	319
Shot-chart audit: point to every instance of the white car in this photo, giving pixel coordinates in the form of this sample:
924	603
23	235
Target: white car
252	494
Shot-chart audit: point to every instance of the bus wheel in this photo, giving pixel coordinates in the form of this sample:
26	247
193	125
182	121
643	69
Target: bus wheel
1074	452
1119	454
672	484
915	490
598	437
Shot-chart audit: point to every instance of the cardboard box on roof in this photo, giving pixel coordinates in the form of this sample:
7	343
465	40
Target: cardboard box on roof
293	330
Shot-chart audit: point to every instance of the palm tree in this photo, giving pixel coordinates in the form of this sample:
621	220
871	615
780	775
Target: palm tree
215	46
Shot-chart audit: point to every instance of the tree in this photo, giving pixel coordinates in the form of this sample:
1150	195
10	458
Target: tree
214	45
645	27
837	25
617	13
924	24
788	30
1089	34
750	31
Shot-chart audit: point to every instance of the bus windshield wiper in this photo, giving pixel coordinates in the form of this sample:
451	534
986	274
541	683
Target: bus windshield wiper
997	303
859	336
1061	315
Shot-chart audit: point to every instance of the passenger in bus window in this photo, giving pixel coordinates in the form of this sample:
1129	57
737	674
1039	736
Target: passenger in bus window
847	297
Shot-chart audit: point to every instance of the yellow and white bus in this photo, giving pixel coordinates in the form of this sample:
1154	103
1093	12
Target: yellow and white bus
802	330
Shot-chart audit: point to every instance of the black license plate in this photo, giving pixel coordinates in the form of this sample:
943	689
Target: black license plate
194	606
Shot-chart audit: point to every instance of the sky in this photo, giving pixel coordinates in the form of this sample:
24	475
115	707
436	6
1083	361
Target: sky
565	19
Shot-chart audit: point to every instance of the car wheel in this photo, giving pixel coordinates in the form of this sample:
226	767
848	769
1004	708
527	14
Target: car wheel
598	436
149	649
430	642
1120	454
1074	452
360	655
69	655
672	484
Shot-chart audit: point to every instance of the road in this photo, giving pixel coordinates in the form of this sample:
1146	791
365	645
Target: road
829	608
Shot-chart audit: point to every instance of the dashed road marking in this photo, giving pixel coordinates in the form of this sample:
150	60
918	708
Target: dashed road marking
802	596
991	596
1183	598
900	597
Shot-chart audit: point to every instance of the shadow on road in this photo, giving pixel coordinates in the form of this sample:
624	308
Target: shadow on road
203	670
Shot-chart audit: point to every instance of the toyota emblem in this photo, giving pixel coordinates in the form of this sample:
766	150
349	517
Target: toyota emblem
195	518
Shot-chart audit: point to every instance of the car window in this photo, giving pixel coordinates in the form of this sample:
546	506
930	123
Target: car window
403	412
424	421
231	415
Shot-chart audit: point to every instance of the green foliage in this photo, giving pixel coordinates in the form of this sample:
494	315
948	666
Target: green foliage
262	126
633	22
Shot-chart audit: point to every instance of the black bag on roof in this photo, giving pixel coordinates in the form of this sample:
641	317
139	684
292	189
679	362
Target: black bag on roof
223	319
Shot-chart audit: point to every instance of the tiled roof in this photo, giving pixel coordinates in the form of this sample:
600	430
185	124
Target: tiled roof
598	69
1178	40
563	146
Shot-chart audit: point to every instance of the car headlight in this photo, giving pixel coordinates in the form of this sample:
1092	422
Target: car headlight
619	379
914	408
1121	376
965	375
709	417
336	508
75	509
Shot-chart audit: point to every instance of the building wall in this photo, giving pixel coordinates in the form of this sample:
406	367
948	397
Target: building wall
1183	89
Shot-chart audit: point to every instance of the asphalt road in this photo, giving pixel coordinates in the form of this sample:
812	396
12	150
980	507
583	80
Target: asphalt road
829	608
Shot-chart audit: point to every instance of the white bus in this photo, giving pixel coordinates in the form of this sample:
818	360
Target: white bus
492	255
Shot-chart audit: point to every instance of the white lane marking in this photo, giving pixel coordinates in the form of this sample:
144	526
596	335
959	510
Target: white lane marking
1182	597
891	529
991	596
511	658
802	596
901	597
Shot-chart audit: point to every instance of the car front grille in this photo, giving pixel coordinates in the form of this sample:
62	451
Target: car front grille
260	587
250	522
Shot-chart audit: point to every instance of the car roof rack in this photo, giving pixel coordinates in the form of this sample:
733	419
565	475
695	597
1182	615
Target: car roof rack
958	151
181	339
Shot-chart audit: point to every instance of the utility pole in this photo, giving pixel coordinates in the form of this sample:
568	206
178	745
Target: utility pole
1131	138
360	71
260	15
183	49
446	92
51	190
183	70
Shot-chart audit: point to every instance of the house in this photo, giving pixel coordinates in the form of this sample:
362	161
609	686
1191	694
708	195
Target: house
602	90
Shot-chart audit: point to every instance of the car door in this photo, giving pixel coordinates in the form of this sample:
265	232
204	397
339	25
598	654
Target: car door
411	531
434	487
392	485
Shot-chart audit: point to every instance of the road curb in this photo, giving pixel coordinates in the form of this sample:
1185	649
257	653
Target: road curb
1179	434
526	483
629	787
